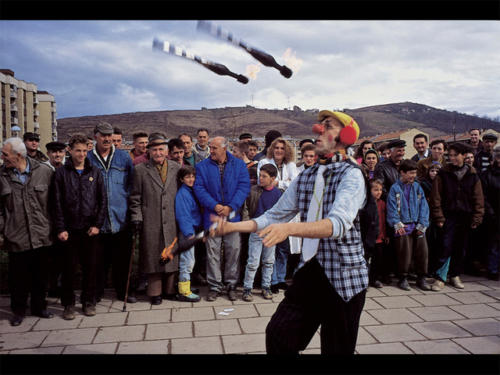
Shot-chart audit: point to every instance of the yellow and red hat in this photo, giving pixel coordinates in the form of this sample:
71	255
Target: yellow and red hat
345	120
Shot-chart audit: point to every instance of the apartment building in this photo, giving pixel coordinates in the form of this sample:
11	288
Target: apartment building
25	109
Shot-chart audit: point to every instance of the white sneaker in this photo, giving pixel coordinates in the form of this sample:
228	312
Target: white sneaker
437	285
456	282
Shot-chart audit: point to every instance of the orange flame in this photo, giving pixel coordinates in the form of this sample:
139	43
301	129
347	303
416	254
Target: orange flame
252	71
291	61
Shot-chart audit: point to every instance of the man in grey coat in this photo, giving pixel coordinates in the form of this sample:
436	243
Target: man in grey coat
152	208
25	225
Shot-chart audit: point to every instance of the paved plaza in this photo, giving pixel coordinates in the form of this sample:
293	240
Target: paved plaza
394	321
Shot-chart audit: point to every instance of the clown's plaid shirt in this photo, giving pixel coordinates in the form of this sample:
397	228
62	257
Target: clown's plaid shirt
341	255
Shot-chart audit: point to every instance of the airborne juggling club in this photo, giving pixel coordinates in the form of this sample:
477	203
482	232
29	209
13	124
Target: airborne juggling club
219	69
265	58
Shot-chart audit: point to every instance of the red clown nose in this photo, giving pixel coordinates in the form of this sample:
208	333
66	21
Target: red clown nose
318	129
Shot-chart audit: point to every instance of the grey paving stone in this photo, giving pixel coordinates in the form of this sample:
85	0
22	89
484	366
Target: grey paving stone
364	337
393	333
25	326
45	350
472	287
479	310
144	347
315	342
57	322
117	334
439	330
149	316
217	327
480	345
194	313
367	319
370	304
436	347
117	306
197	345
22	340
244	343
490	283
167	304
169	330
436	313
472	297
311	351
220	301
391	316
254	325
480	327
278	297
375	292
240	311
266	309
391	348
78	336
495	305
493	293
436	300
109	348
396	302
104	320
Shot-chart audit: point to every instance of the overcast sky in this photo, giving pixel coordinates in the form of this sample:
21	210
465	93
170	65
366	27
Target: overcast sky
109	67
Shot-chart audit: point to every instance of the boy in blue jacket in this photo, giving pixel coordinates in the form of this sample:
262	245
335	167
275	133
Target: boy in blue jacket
188	216
408	214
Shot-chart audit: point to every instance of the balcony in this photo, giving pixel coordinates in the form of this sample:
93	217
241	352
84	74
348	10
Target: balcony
37	112
13	108
35	100
36	125
54	107
14	120
13	94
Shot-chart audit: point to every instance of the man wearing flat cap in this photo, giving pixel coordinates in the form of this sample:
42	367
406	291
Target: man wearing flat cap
152	208
116	238
32	142
387	171
329	287
484	158
56	151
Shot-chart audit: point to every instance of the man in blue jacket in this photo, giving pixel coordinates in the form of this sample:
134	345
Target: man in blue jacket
116	240
222	185
408	214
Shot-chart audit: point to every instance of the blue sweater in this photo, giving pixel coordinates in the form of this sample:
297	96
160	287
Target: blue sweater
267	200
210	191
399	211
187	211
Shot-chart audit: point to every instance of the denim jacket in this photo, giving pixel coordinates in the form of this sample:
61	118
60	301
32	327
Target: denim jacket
118	181
399	212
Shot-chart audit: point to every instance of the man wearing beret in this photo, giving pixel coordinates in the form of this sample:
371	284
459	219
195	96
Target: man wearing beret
32	142
116	238
387	171
329	287
484	157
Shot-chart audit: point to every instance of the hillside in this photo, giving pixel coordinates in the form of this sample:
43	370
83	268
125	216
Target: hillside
232	121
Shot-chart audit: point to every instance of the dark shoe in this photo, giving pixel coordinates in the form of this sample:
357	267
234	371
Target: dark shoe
89	309
189	298
231	294
156	300
212	295
283	286
377	284
267	294
69	313
423	284
493	276
16	320
170	297
387	280
275	288
44	314
247	295
403	284
130	299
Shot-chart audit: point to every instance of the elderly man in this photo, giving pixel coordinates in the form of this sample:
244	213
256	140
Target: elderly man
201	147
329	288
32	142
222	185
152	208
26	228
438	147
387	170
421	145
115	237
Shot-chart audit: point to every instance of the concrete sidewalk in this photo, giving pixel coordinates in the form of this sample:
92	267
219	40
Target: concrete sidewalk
394	321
